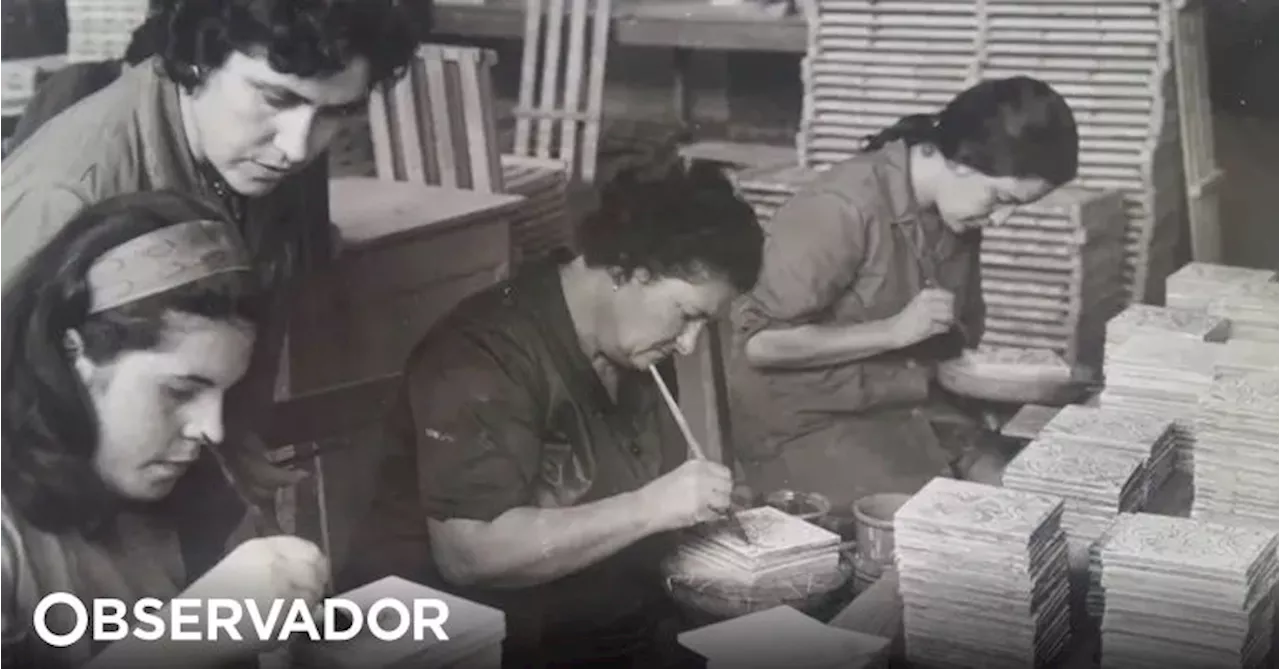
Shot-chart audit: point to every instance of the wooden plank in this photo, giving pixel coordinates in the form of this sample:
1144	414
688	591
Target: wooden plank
661	25
549	87
528	76
586	169
337	410
573	80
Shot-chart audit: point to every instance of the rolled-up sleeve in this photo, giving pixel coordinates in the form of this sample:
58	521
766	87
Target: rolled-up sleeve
475	407
813	253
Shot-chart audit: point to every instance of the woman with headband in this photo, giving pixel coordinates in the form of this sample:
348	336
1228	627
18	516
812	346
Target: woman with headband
870	276
121	338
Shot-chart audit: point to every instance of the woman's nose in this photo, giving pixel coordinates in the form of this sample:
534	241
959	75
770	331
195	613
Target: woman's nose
687	342
204	421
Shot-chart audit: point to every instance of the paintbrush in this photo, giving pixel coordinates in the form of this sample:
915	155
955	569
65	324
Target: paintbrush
694	449
263	520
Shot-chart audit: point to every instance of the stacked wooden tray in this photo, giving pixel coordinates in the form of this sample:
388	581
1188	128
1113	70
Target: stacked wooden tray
1051	275
766	189
782	549
101	29
982	572
871	62
1186	593
544	223
1195	284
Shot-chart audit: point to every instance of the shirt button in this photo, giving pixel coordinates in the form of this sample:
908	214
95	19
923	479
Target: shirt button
635	448
911	363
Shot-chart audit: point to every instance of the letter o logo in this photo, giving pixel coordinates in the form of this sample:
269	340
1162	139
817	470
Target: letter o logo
49	636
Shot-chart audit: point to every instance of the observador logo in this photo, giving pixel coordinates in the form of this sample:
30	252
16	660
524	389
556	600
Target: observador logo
105	620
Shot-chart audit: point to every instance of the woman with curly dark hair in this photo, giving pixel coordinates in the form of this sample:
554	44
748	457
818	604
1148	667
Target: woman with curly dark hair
536	466
121	338
871	277
236	105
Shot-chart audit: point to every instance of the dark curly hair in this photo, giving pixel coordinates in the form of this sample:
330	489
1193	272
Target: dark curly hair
1016	127
50	428
674	220
304	38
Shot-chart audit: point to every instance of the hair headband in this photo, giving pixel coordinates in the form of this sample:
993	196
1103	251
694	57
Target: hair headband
164	259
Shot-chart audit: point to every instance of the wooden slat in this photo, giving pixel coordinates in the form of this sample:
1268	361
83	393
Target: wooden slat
528	75
573	80
550	84
476	111
437	99
1196	119
408	133
380	129
595	89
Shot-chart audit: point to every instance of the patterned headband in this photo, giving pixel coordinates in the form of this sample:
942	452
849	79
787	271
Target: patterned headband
164	259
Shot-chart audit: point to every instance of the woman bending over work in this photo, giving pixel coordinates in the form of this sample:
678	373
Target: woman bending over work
121	338
537	467
870	276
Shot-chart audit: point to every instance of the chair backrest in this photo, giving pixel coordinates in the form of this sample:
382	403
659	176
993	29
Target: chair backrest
555	121
436	125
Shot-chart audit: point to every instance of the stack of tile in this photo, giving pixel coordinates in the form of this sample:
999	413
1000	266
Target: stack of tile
1051	275
1236	457
1095	483
1186	593
1095	601
782	549
21	78
871	62
1246	355
544	223
1194	324
768	188
1151	436
983	576
1254	311
1195	284
1164	376
101	29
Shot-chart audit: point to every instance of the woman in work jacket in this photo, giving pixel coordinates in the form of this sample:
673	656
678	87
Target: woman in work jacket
870	277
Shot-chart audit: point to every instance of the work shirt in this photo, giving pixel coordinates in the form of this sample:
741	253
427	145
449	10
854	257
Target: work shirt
853	247
129	137
502	409
61	90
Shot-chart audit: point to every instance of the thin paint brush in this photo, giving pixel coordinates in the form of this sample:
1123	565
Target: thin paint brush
694	449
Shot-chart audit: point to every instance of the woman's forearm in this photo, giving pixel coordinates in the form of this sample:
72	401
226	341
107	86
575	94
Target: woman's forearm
528	546
809	346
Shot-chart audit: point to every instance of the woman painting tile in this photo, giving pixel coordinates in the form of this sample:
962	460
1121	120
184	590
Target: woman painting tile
122	336
870	277
536	467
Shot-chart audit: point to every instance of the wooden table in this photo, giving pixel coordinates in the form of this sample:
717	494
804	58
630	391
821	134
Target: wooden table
411	253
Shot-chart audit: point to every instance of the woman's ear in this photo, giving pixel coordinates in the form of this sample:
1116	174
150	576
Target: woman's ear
73	347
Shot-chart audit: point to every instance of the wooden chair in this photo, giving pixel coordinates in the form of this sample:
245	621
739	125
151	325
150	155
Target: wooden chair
554	121
437	126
